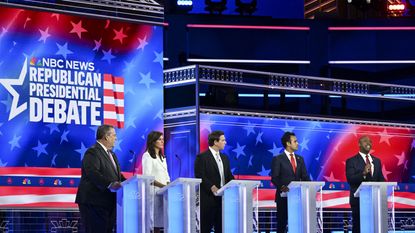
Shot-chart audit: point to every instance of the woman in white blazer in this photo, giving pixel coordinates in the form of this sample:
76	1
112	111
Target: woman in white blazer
154	164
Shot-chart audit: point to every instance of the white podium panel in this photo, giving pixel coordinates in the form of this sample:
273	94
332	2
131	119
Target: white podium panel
237	206
373	199
302	214
181	212
133	205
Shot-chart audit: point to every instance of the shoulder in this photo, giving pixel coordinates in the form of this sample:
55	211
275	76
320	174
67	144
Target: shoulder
278	157
352	158
146	156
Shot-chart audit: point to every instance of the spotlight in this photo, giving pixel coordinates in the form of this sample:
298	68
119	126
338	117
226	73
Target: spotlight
396	10
247	7
215	6
184	5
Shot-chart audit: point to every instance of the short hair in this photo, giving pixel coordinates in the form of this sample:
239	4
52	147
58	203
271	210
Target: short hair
103	131
214	136
286	138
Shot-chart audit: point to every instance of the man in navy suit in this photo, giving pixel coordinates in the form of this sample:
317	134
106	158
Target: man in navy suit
101	176
214	169
361	168
285	168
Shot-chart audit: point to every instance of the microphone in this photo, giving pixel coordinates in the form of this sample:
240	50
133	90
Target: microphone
134	160
237	166
180	164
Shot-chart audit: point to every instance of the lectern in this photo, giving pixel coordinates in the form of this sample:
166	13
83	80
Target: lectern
133	205
373	198
237	206
302	214
181	205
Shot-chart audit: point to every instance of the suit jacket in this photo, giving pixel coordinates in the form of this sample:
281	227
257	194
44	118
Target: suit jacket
282	172
207	169
354	173
98	172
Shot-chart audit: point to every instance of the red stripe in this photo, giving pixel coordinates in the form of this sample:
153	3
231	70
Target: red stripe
247	177
371	28
332	195
118	80
21	190
112	122
119	95
107	77
111	93
119	110
39	171
109	107
108	92
45	205
120	124
221	26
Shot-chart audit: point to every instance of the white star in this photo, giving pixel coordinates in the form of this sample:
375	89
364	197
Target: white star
146	79
275	150
287	128
249	129
385	172
159	115
304	144
384	137
401	158
143	42
331	178
8	83
259	138
159	58
44	35
14	142
117	145
239	150
264	172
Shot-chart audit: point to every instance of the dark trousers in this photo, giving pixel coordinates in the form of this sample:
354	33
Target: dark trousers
97	219
282	215
355	215
211	215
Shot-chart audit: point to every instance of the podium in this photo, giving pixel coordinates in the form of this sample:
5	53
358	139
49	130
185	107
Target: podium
302	216
181	205
374	206
133	205
237	206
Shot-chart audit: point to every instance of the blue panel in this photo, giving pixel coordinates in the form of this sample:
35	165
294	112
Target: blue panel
175	209
295	217
367	218
231	210
132	216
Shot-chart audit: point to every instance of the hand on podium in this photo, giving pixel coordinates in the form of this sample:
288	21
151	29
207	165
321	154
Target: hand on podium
114	186
214	189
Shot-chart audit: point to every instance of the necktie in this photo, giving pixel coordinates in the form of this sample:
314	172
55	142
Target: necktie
112	159
368	162
293	162
220	166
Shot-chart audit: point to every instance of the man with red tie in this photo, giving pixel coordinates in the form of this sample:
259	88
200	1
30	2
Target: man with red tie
361	168
286	167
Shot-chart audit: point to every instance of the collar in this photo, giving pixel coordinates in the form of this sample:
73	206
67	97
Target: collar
213	151
364	157
105	149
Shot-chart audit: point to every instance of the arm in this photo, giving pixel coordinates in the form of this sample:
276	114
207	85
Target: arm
275	171
200	172
228	171
304	174
92	165
380	176
352	174
147	163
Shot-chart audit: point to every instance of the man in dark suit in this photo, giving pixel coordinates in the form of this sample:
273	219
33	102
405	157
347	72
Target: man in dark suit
285	168
360	168
101	176
214	169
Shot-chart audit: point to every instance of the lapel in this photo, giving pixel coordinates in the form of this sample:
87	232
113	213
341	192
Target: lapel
361	161
106	158
213	161
288	162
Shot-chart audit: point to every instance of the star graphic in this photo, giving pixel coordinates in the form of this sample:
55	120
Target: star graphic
147	100
304	144
2	164
385	172
315	124
146	79
97	44
53	128
239	150
40	148
264	172
0	131
413	144
384	137
53	162
44	35
8	103
401	158
259	138
158	115
27	20
287	128
63	50
159	58
56	16
128	67
107	56
3	31
142	43
64	136
275	150
8	83
117	146
119	35
319	155
77	28
249	129
130	123
206	125
14	142
250	161
82	150
331	178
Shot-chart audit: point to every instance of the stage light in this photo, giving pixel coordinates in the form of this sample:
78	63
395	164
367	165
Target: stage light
215	6
184	6
247	7
396	10
184	2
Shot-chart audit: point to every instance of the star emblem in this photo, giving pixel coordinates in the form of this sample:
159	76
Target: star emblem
64	136
108	56
385	172
63	50
14	142
119	35
142	43
264	172
304	144
401	158
249	129
259	138
287	128
97	44
239	150
77	28
44	35
384	137
275	150
53	128
82	150
331	178
146	79
8	83
159	58
40	148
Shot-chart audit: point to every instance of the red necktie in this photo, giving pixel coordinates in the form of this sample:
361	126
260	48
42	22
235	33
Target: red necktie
368	162
293	162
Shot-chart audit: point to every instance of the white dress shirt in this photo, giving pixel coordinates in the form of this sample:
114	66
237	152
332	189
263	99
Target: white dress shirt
289	157
216	156
372	167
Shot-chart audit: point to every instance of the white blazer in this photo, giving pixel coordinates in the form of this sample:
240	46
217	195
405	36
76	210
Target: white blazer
156	168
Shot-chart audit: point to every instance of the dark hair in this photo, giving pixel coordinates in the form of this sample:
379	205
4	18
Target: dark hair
286	138
152	137
103	131
214	136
